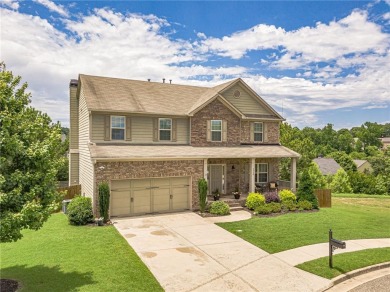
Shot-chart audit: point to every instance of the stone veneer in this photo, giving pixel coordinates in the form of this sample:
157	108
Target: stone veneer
272	132
216	110
107	171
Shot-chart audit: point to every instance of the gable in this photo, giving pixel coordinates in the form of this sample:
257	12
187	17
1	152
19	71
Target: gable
246	102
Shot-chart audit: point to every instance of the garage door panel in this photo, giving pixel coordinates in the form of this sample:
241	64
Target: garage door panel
141	201
160	182
180	181
140	183
120	203
161	199
179	198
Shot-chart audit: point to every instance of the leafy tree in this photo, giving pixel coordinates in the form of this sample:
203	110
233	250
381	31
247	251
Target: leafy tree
316	176
29	160
344	160
306	189
340	182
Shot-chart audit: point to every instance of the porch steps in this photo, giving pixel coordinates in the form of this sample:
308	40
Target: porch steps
235	206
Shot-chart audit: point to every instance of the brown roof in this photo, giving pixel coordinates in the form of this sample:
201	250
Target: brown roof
327	165
141	152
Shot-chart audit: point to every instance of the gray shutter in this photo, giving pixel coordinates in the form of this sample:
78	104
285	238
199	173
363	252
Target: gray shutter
107	128
174	130
208	130
128	128
252	132
265	133
155	129
224	131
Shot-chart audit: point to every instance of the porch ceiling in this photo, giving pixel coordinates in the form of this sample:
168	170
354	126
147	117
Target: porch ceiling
140	152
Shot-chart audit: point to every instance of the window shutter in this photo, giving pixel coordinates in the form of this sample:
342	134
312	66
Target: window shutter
155	130
252	132
107	128
224	131
128	128
208	130
174	130
265	132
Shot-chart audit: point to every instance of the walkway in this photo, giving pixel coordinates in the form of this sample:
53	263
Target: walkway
186	252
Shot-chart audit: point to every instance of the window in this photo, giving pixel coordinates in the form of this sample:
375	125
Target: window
165	129
261	173
258	132
216	130
117	128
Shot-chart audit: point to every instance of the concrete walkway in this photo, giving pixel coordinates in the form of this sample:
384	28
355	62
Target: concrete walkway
186	252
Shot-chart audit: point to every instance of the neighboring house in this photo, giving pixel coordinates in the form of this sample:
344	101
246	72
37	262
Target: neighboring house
328	166
153	141
386	142
363	165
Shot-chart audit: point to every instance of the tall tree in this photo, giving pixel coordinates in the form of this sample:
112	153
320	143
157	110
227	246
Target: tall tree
29	160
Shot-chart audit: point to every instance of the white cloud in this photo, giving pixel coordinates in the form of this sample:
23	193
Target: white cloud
375	107
13	4
53	7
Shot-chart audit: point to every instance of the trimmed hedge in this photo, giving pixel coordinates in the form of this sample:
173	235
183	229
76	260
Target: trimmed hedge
254	200
219	208
79	211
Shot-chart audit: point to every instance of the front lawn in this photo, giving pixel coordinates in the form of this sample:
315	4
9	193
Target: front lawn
349	218
346	262
60	257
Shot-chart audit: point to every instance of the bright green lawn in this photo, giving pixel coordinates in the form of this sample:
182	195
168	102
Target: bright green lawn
60	257
350	195
346	262
349	218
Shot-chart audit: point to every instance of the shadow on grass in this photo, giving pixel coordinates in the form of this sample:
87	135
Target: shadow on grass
43	278
342	271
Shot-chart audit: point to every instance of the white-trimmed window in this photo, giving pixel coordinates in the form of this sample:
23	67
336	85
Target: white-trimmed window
216	130
261	172
117	128
258	132
165	129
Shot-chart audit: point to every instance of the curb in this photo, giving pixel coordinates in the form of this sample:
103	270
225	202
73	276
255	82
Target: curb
355	273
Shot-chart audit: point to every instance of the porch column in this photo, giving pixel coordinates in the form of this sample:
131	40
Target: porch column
293	174
205	169
252	175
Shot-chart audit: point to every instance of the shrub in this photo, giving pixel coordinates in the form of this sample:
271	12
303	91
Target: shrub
104	200
289	205
202	189
306	189
287	195
275	207
219	208
271	197
79	211
254	200
340	182
263	209
305	205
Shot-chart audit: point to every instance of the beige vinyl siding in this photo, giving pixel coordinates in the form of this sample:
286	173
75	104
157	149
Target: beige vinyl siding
246	103
73	169
141	129
86	176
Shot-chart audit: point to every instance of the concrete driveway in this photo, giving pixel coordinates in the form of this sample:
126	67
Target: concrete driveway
186	252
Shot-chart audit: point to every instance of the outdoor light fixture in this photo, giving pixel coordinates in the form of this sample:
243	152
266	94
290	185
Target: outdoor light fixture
233	168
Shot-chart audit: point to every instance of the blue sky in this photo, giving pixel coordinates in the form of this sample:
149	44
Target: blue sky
315	62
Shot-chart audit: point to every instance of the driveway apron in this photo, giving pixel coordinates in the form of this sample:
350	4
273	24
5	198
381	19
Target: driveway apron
188	253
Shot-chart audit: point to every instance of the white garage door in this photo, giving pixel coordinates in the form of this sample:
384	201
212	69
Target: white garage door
143	196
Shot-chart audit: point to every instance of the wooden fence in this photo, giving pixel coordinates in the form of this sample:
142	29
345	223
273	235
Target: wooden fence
324	197
71	191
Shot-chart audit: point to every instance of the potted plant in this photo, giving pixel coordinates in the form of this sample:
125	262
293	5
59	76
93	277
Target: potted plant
216	194
236	193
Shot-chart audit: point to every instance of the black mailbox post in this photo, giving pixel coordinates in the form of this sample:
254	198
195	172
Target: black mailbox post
333	244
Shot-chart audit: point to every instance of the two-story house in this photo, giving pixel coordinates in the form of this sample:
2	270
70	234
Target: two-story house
153	141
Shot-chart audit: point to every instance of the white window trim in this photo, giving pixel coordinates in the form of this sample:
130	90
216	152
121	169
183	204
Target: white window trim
257	172
211	130
124	128
257	132
170	130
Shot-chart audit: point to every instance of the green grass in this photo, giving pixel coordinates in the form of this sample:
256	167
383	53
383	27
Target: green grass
346	262
349	195
61	257
349	218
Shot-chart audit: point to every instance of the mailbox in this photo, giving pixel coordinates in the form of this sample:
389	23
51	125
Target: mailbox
333	244
337	243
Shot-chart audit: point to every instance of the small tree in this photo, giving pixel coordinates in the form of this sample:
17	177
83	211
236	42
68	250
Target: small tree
306	189
104	200
316	176
202	189
340	182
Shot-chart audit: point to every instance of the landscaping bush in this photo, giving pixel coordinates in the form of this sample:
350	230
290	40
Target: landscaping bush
305	205
254	200
287	195
79	211
275	207
289	205
306	189
263	209
202	189
104	200
271	197
219	208
340	182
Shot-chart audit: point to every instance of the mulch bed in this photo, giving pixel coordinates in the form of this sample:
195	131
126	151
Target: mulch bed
8	285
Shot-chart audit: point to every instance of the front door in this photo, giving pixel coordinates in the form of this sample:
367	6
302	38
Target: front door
216	178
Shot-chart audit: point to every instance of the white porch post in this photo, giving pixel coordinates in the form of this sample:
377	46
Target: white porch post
293	174
205	169
252	175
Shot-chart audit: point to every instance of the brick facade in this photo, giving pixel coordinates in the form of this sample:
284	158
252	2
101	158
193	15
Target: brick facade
106	171
272	133
215	110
